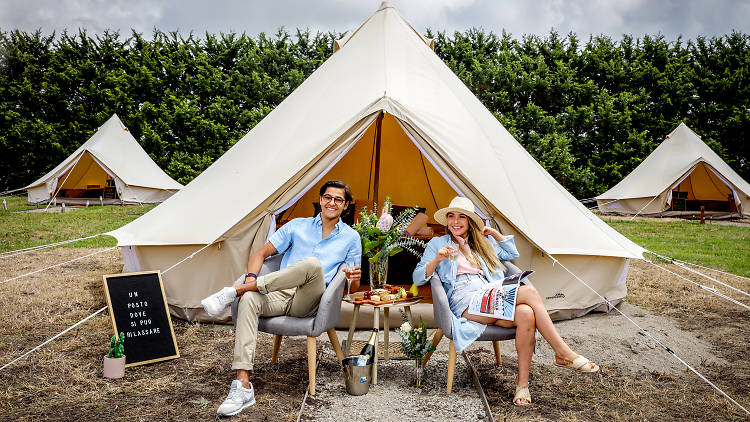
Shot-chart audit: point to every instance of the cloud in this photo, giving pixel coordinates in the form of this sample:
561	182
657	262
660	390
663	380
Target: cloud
672	18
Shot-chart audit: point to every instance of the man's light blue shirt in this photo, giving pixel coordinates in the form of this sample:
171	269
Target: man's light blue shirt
305	236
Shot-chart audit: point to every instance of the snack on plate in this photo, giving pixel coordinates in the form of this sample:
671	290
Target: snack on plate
375	298
393	297
380	292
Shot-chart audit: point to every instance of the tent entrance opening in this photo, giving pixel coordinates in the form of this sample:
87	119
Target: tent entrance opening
702	187
376	167
87	179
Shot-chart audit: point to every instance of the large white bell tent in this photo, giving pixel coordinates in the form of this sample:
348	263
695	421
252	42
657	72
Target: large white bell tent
387	116
111	165
677	178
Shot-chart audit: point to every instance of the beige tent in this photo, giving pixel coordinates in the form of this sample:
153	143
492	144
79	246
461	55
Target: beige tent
680	176
386	115
110	164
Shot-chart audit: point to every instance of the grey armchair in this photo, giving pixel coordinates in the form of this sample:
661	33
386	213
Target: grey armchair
443	313
311	327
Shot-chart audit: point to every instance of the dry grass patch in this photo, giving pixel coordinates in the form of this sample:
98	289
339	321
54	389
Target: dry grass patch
620	393
63	381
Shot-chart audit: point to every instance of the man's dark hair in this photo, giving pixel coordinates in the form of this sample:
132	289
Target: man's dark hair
337	184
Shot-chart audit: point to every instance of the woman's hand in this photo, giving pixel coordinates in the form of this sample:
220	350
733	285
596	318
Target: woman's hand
446	252
489	231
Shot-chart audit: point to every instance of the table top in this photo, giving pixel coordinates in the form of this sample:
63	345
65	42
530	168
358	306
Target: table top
408	302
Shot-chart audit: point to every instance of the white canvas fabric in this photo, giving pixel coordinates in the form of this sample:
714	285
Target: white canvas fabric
114	152
326	125
648	188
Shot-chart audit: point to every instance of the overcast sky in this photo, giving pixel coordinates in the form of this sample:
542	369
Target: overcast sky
671	18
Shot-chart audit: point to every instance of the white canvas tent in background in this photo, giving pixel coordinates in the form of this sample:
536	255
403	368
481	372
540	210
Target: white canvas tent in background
681	163
112	153
437	140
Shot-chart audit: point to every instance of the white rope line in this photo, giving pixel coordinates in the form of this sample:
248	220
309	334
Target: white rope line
100	310
681	264
7	254
70	171
11	191
187	257
644	207
606	203
57	265
704	287
701	266
652	337
52	338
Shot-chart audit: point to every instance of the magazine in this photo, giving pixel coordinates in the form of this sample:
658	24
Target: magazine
497	299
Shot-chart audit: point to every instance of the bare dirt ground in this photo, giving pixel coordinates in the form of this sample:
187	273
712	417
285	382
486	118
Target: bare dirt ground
638	381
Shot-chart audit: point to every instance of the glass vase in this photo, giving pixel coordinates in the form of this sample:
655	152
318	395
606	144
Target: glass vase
378	273
418	372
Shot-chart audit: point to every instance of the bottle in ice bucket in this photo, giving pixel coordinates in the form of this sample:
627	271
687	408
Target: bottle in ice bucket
369	349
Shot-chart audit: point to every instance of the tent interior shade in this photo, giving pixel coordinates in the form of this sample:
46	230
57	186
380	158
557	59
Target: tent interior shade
86	176
400	161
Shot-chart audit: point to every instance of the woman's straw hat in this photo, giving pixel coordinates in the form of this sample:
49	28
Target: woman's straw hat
462	205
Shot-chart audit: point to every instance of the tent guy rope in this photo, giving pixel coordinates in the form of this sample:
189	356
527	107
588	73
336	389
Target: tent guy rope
682	264
95	313
646	333
704	287
57	265
7	254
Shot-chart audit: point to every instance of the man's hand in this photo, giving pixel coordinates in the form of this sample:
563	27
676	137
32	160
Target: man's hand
355	275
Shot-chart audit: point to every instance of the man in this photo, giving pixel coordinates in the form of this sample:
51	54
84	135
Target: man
315	247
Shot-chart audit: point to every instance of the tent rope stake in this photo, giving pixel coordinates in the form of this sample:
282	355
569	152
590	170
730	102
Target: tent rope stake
646	333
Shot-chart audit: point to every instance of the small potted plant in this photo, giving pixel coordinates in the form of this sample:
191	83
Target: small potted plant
114	361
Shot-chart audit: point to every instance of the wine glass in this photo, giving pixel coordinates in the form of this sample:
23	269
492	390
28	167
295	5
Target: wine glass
349	265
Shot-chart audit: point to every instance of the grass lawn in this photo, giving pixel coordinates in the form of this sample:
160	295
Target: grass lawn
25	229
724	247
16	202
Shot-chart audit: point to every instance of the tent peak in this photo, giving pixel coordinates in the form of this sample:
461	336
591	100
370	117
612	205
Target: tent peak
385	5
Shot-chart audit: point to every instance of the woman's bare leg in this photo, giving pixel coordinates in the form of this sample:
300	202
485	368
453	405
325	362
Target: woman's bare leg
529	296
525	326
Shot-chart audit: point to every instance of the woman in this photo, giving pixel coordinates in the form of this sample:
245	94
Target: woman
476	261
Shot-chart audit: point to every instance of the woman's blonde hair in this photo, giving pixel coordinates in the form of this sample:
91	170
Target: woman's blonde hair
481	246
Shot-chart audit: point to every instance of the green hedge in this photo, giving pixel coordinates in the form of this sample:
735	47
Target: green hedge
589	112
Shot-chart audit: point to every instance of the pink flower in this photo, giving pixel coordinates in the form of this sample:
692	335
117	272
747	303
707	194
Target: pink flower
385	222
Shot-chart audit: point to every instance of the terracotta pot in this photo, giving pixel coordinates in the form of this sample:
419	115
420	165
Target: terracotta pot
114	367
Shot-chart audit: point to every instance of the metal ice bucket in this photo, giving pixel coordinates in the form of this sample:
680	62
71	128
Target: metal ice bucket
357	377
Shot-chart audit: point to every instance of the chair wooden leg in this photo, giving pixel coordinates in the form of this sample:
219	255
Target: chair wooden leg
498	358
435	341
335	343
276	346
312	351
451	367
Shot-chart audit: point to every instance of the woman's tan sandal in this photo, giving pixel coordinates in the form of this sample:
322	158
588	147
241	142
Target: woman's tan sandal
580	364
522	393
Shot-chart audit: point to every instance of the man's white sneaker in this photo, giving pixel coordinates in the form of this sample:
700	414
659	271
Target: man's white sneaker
238	399
216	303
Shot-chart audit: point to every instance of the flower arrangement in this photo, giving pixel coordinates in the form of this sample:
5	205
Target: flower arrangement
382	237
415	345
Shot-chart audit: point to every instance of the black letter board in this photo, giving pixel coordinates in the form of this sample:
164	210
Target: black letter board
138	308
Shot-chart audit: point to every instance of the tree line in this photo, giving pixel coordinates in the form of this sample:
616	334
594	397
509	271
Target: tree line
589	112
